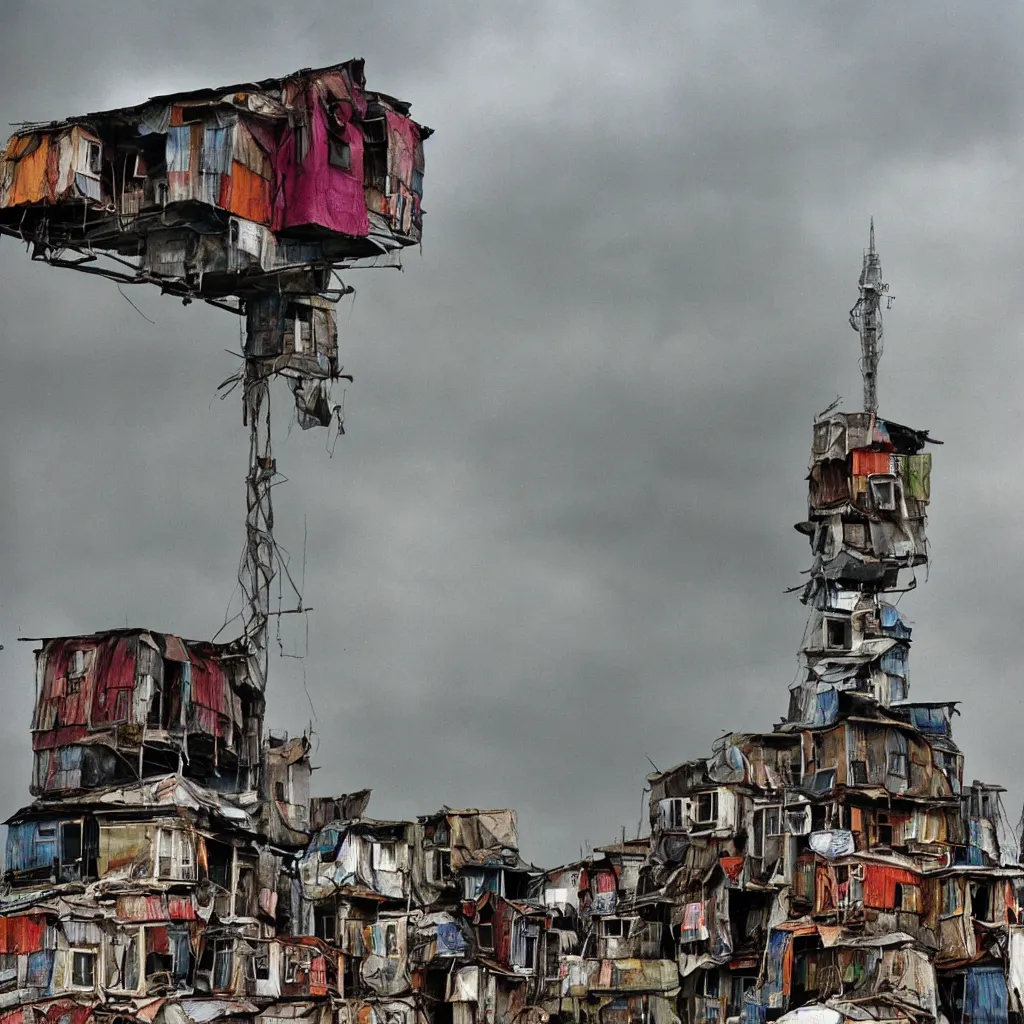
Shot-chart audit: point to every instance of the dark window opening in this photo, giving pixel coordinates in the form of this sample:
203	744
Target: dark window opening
739	989
859	773
708	985
159	963
223	965
883	830
261	963
981	902
339	153
838	634
485	936
83	969
325	922
70	851
218	859
707	807
818	818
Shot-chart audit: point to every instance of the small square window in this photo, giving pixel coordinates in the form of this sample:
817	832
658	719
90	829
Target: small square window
883	492
838	633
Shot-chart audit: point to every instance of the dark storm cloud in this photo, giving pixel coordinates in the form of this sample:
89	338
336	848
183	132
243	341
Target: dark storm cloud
556	537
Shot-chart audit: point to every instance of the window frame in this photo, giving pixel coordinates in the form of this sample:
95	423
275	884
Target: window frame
711	796
829	622
91	956
877	482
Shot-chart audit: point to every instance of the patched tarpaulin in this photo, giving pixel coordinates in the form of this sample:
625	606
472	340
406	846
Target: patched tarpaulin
481	837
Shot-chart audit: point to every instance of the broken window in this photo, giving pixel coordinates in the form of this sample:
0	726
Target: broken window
159	954
123	965
83	968
859	773
882	487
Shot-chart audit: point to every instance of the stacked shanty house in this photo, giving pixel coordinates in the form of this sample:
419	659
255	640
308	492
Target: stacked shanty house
838	867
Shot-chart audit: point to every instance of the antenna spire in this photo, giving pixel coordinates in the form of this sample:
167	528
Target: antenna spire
866	320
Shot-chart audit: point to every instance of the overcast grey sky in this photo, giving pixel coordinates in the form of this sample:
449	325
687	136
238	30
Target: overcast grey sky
556	537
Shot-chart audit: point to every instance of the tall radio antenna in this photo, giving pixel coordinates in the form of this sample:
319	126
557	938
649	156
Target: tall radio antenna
866	320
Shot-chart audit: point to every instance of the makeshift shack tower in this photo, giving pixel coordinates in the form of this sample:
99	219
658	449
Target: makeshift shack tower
838	868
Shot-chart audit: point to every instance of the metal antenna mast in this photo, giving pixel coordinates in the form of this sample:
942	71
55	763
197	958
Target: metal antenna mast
866	319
